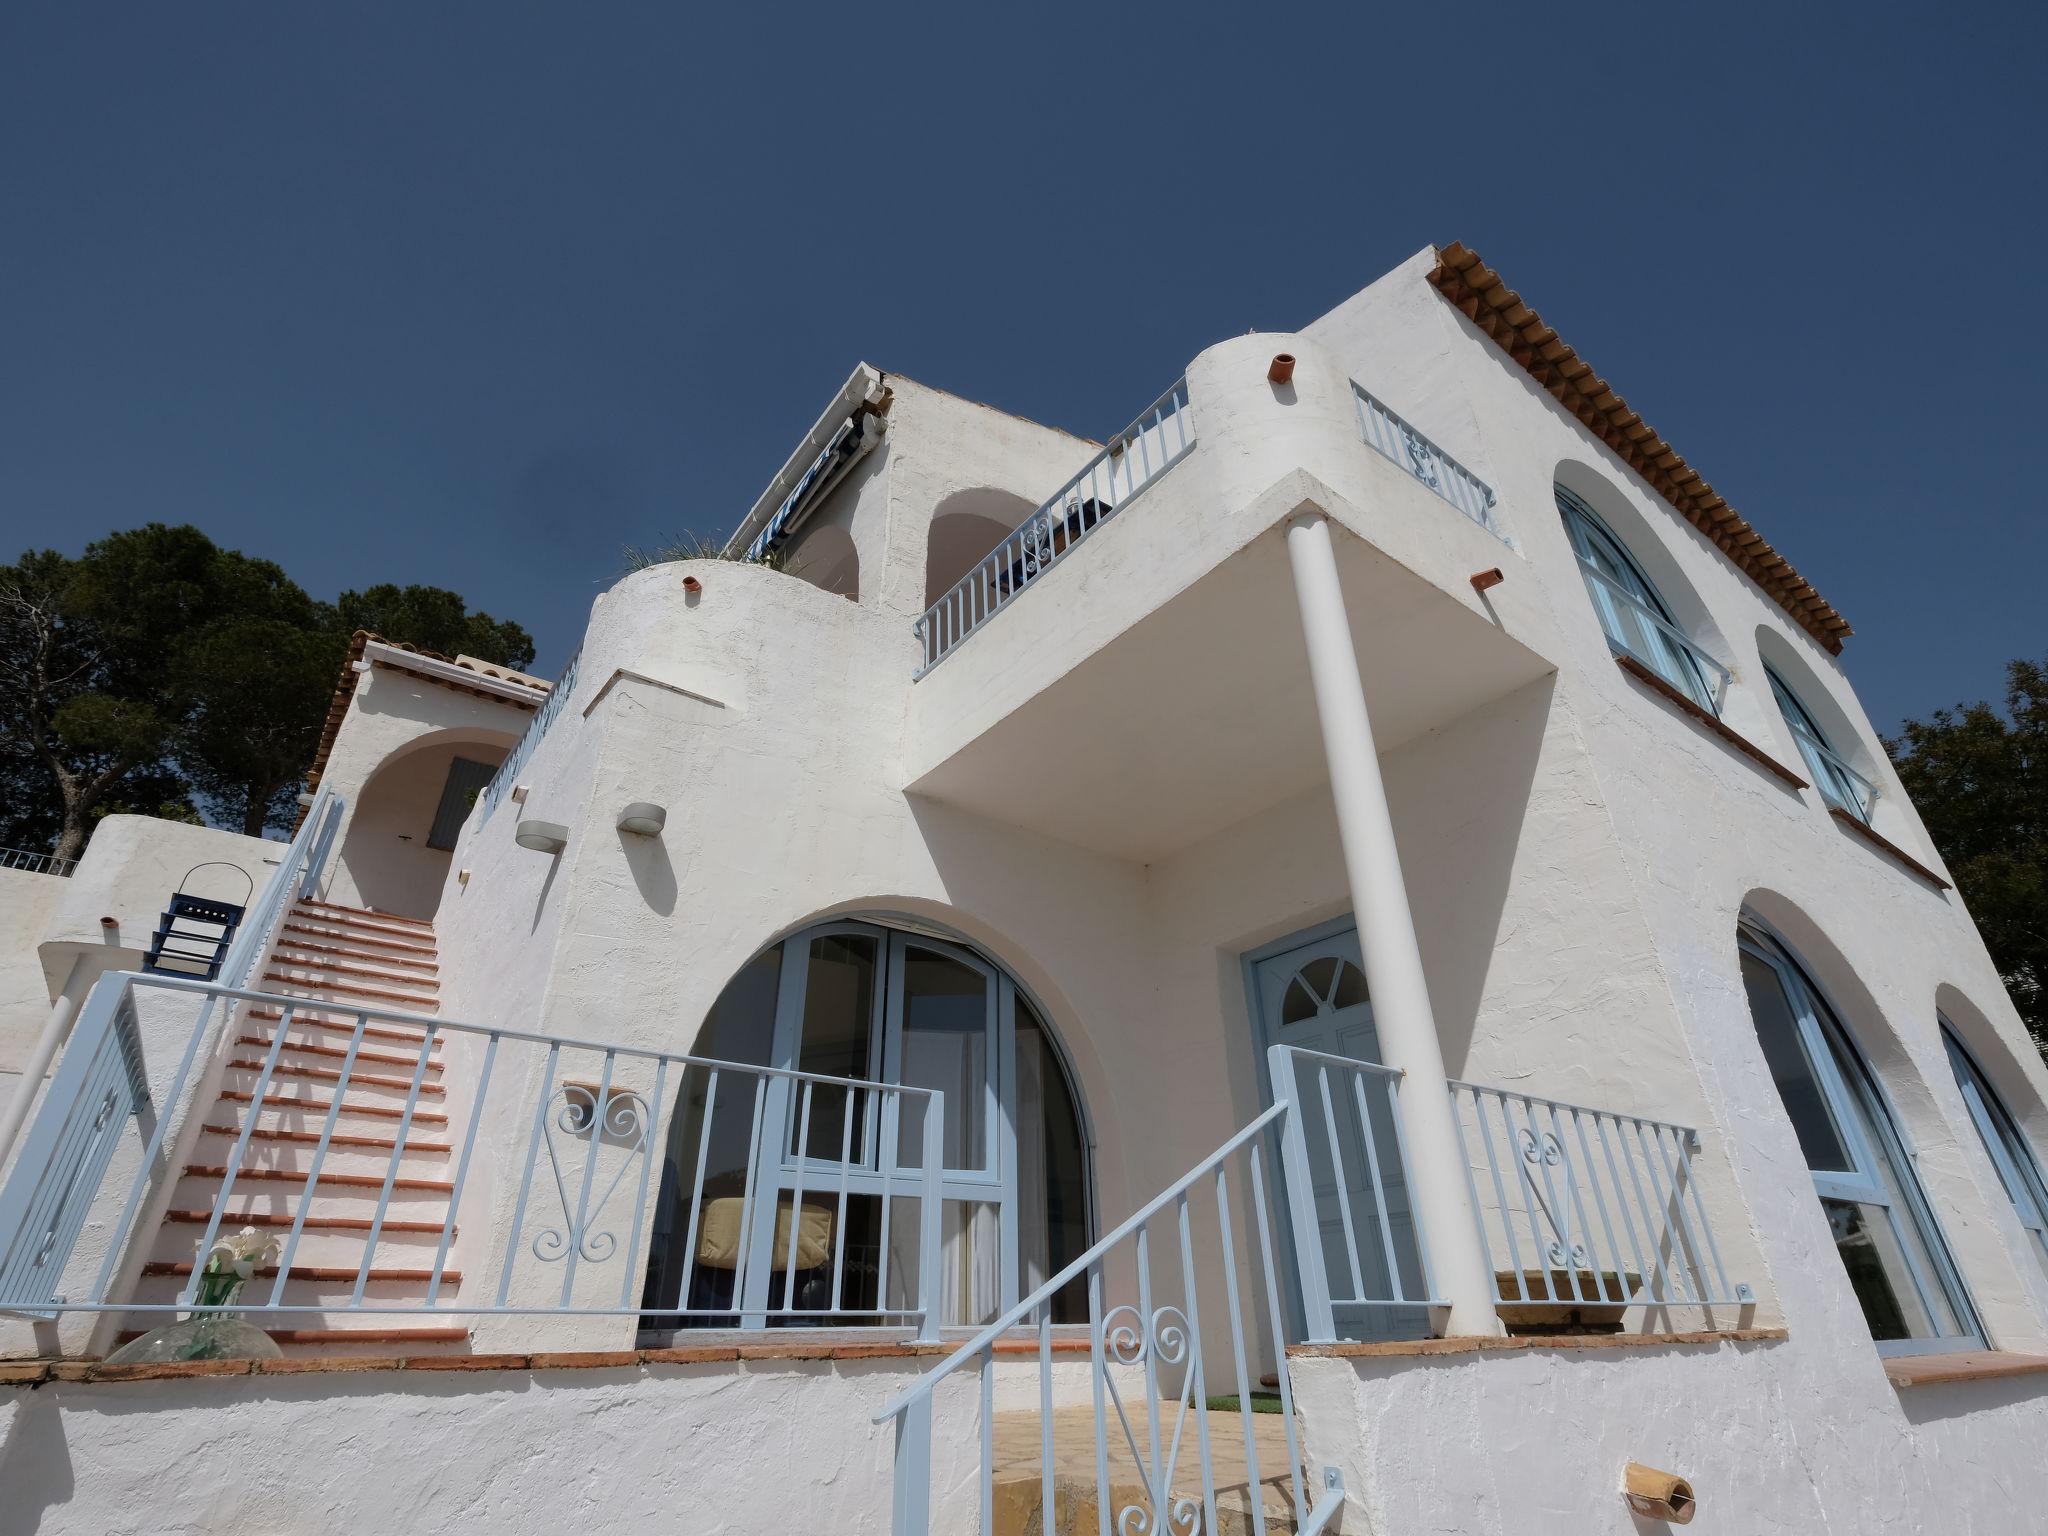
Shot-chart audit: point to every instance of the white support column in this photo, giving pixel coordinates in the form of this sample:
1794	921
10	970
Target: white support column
1386	936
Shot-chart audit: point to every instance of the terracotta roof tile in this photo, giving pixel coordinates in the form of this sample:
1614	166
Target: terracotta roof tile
345	690
1477	292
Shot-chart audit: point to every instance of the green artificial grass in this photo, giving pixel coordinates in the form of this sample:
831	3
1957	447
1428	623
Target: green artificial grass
1262	1402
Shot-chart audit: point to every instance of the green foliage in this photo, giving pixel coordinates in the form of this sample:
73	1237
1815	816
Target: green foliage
435	619
158	672
1979	779
692	546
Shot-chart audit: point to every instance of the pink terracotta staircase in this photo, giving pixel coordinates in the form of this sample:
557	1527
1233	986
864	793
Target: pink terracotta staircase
339	959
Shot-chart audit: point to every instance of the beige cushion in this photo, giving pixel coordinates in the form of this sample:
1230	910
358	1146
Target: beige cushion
718	1235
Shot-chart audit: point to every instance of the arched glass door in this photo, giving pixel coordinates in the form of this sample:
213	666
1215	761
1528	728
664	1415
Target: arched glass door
861	1001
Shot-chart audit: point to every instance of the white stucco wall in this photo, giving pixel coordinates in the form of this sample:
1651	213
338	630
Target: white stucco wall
389	762
26	902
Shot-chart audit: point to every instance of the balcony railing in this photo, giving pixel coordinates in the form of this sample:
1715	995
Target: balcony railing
1586	1208
508	771
1405	446
1637	630
36	863
753	1194
1840	784
1173	1326
1137	456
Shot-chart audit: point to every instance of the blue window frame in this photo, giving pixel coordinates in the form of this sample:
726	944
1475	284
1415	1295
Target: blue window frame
2010	1154
1634	616
871	1002
1898	1266
1840	785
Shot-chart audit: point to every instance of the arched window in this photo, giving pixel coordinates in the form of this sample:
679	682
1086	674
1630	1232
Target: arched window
1897	1265
1840	785
2010	1155
1637	621
862	1001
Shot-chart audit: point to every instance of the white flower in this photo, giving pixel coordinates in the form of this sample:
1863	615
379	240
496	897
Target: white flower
243	1253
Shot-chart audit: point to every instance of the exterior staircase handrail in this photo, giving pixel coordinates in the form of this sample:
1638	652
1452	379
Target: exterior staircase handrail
924	1384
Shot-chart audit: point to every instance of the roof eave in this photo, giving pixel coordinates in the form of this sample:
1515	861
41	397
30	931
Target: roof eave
1477	292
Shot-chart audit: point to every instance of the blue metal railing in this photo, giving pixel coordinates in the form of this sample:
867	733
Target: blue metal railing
1154	1345
1582	1207
1840	784
766	1233
522	750
87	1112
1160	438
1637	630
1405	446
35	863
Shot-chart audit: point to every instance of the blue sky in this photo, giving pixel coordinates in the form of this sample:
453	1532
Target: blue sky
476	295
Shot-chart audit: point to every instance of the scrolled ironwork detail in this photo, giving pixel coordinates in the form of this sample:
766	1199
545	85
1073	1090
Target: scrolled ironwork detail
622	1117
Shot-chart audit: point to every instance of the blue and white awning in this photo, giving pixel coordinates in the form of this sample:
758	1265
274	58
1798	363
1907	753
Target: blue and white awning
839	452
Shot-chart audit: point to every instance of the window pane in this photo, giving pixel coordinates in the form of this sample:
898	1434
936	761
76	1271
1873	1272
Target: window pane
838	1035
1887	1240
1052	1192
1777	1029
970	1259
1869	1246
946	1037
2007	1148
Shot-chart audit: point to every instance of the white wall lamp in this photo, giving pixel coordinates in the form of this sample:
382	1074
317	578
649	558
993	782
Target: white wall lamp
643	819
542	836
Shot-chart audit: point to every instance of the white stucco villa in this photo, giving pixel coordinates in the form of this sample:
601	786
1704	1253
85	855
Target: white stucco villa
1345	959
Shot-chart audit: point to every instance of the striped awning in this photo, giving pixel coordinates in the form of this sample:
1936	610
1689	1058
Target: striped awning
836	453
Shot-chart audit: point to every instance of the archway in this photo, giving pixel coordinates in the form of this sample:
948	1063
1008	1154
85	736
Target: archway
965	527
825	1229
404	820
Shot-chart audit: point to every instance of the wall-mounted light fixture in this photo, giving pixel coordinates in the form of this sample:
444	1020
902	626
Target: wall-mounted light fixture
542	836
643	818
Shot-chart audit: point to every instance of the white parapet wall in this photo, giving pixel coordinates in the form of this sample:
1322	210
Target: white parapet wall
26	902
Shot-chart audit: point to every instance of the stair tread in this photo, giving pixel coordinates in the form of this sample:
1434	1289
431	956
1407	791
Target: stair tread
333	1272
349	989
312	1019
298	1176
340	1052
321	1223
321	1106
328	966
345	951
361	914
343	934
332	1075
338	1139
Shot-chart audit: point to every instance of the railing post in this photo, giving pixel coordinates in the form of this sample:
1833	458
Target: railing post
929	1210
910	1504
1318	1316
323	847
